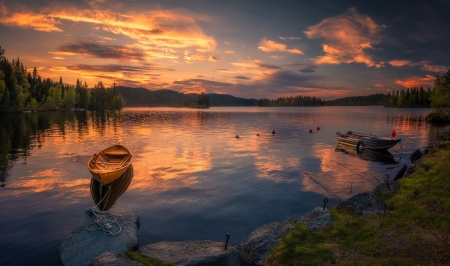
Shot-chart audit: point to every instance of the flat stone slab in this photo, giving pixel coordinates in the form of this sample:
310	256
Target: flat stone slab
316	219
263	239
114	259
387	187
195	253
83	246
364	203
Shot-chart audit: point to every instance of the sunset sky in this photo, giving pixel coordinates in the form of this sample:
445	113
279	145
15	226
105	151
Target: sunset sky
246	48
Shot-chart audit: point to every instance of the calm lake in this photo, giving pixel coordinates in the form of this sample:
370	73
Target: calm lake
193	179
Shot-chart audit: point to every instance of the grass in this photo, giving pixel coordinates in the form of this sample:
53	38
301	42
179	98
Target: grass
146	260
414	231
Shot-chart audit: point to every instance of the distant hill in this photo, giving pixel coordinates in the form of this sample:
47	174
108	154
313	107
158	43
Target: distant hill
145	97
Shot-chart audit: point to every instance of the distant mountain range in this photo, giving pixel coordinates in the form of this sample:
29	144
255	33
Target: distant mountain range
145	97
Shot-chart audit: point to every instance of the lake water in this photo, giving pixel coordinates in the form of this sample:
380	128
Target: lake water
193	179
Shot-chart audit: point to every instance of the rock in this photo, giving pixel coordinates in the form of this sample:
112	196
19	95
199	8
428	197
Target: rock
364	203
262	240
409	171
316	219
113	259
387	187
82	246
195	253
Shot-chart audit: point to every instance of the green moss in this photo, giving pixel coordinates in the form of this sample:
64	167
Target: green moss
410	233
146	260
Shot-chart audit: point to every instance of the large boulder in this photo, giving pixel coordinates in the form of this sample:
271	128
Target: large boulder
389	186
82	245
113	259
263	239
316	219
364	203
195	253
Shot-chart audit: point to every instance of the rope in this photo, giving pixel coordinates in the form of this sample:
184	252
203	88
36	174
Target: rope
326	189
109	226
357	173
103	223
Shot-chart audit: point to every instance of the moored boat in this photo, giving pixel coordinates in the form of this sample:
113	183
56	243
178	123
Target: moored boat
110	163
379	156
366	141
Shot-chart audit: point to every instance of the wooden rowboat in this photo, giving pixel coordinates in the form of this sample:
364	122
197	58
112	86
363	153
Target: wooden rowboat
366	141
109	164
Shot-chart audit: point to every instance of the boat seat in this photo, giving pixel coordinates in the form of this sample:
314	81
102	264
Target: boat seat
115	153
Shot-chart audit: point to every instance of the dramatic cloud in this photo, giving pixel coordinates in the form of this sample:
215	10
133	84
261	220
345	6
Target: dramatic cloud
289	38
399	63
271	46
191	57
424	65
288	78
241	77
201	82
29	20
213	59
160	28
427	81
254	64
347	39
307	70
102	51
435	68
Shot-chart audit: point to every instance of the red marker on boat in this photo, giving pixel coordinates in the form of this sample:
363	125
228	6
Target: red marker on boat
393	133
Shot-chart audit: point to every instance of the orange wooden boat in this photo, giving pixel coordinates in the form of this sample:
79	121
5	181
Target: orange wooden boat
109	164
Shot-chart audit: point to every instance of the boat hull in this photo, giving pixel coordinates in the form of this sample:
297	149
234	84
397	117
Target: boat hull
367	141
379	156
109	164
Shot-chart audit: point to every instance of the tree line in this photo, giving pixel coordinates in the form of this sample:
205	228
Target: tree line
292	101
413	97
20	88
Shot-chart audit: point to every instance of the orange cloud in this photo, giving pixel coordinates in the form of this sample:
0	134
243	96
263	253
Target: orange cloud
289	38
190	57
27	20
435	68
399	63
271	46
426	81
213	59
347	39
160	28
254	64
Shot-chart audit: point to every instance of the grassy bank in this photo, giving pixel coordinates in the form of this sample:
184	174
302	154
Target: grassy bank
414	231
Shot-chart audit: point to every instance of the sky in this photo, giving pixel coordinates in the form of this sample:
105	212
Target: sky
245	48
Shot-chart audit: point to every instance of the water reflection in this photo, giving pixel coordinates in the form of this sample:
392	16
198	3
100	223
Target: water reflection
380	156
105	196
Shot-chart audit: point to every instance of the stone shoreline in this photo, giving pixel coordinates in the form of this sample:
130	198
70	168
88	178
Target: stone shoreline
96	249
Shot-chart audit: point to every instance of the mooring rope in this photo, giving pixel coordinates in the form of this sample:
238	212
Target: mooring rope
103	220
324	187
357	173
